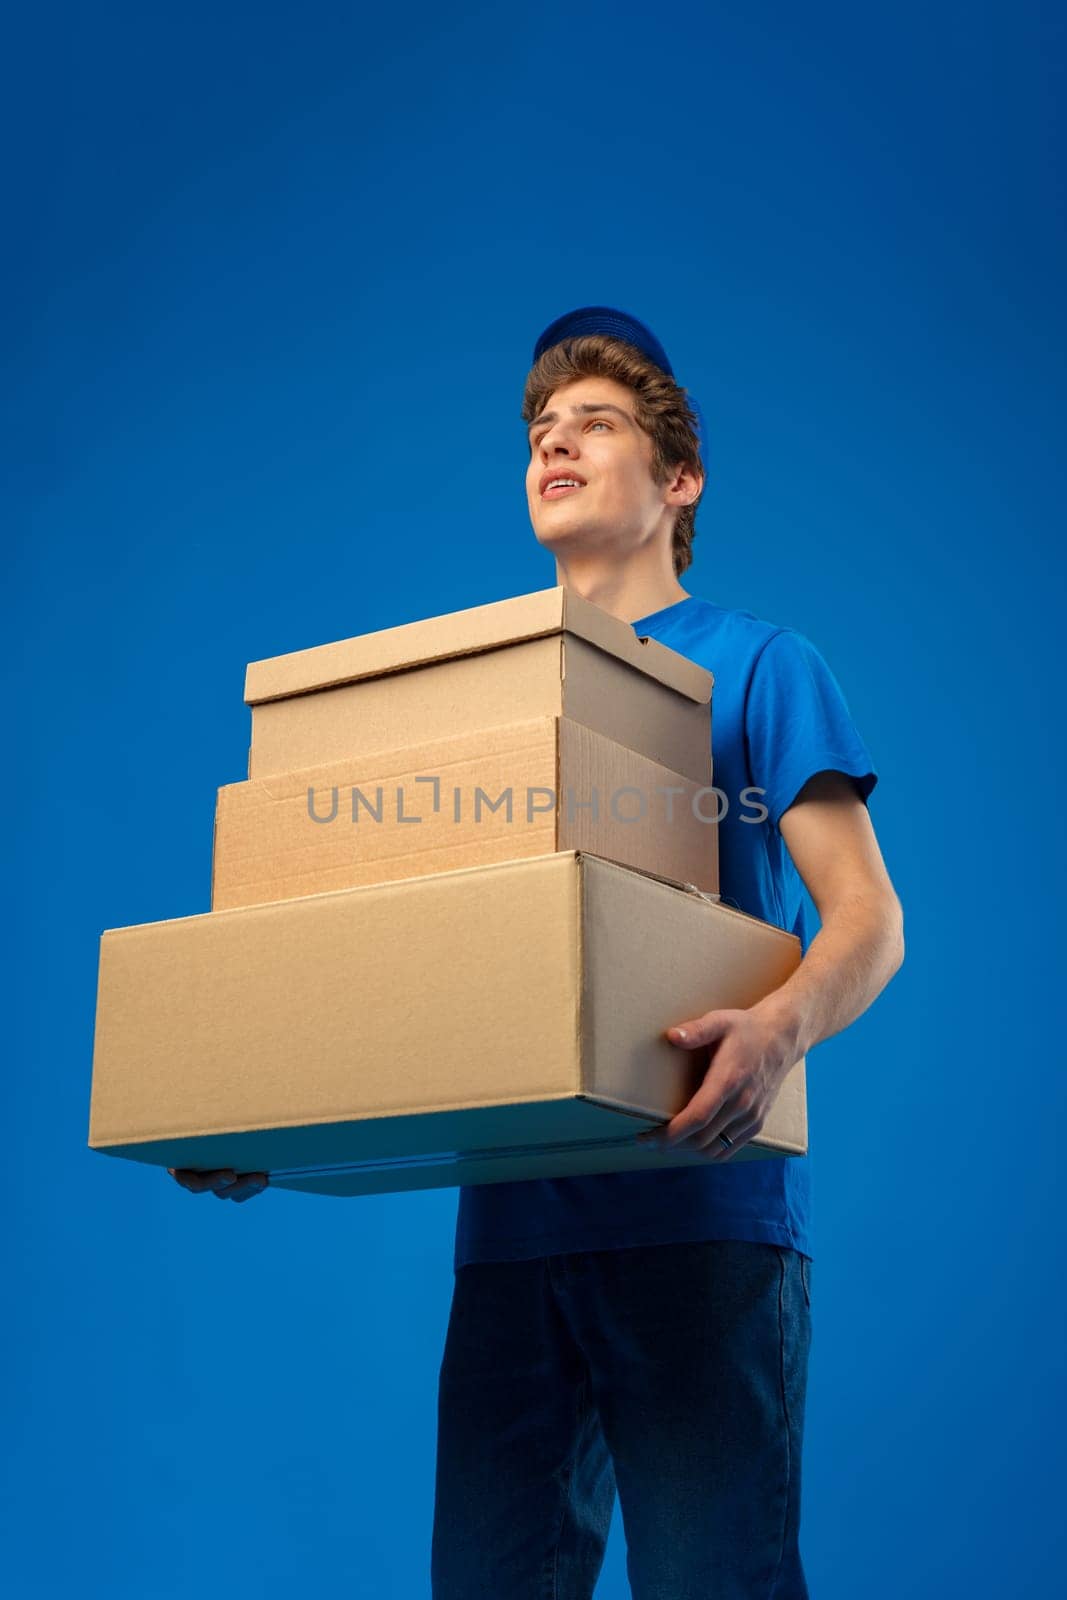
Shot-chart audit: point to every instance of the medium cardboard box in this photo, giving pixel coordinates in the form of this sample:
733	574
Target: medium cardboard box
462	1027
550	653
475	798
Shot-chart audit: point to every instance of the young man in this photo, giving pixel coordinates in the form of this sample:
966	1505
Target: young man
647	1333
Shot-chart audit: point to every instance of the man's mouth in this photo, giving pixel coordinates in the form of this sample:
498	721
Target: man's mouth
559	487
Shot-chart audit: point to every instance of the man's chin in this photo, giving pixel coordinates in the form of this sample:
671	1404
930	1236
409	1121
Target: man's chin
567	532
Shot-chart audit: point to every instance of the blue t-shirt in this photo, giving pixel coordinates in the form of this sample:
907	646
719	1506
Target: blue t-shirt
778	717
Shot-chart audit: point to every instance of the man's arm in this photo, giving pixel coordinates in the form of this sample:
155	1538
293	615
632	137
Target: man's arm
860	944
858	948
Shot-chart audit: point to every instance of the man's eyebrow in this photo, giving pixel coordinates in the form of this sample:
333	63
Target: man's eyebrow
553	416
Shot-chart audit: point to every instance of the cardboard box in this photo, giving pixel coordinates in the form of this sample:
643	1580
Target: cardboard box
462	1027
550	653
495	795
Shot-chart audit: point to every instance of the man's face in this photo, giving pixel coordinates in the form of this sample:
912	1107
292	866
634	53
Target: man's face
587	430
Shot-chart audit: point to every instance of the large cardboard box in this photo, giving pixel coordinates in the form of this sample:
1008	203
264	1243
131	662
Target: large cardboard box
462	1027
550	653
494	795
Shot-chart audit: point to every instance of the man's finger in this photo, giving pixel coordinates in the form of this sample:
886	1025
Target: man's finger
195	1182
699	1030
201	1182
253	1184
723	1120
706	1108
739	1135
226	1186
731	1114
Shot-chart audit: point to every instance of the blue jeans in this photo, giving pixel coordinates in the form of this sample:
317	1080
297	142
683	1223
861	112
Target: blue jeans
675	1374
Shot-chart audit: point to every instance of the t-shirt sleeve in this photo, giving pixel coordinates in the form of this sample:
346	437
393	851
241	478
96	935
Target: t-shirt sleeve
797	723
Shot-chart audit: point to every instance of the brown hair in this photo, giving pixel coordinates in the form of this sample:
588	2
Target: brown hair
660	407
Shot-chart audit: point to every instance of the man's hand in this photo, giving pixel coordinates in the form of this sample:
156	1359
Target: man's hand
858	948
221	1181
748	1066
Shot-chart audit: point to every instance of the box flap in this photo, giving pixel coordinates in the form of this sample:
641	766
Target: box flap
413	644
618	638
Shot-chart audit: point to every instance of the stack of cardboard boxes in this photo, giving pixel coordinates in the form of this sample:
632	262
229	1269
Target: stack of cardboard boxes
470	881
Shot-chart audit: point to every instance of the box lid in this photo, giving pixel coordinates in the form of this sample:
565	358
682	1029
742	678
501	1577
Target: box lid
413	644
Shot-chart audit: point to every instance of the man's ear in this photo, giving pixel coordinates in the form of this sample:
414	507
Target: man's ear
686	485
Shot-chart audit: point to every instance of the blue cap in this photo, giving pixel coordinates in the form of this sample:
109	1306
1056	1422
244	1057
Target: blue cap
616	325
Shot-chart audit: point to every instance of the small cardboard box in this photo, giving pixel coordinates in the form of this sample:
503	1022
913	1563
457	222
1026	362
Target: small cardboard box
476	798
463	1027
550	653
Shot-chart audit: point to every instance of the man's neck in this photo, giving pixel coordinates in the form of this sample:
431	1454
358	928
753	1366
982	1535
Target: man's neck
626	594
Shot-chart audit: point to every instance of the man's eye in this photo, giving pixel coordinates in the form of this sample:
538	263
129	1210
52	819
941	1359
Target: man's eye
597	422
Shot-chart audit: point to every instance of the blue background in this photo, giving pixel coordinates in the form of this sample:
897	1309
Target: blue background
274	275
